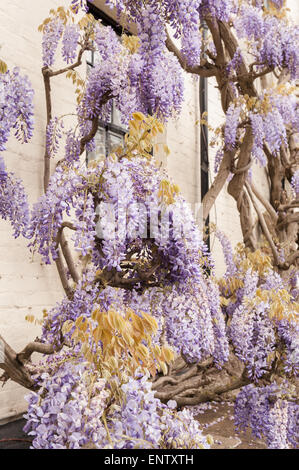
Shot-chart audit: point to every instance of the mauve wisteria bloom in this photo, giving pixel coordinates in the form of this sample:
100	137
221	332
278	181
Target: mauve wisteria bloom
13	202
273	41
69	416
16	113
53	32
231	126
77	5
70	42
16	107
54	135
47	213
268	415
231	268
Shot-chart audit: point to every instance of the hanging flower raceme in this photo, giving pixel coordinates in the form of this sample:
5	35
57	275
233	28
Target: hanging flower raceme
65	186
70	42
272	40
16	113
16	107
271	413
52	34
231	125
263	316
76	408
13	201
220	9
77	5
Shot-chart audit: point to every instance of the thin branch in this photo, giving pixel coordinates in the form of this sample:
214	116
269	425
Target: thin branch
238	171
63	277
245	78
47	156
286	207
215	31
264	201
289	219
37	347
95	123
291	259
15	365
207	70
218	183
54	73
263	224
67	254
262	73
62	241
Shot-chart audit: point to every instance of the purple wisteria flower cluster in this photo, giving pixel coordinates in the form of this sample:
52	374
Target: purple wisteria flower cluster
275	110
57	28
272	40
70	42
75	408
47	213
127	194
13	202
69	414
16	114
271	126
255	332
122	221
135	80
16	107
77	5
269	414
52	34
53	136
231	125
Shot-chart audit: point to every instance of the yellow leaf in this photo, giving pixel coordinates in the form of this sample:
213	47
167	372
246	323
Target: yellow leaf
97	334
67	326
143	350
163	367
3	66
166	149
138	116
29	318
128	339
168	354
150	322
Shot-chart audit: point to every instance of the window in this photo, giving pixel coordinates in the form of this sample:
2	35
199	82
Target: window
110	133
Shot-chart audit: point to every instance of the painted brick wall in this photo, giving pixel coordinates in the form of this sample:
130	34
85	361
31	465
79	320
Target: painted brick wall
26	285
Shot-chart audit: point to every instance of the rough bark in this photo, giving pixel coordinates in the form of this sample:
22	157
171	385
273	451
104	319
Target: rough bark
191	384
17	366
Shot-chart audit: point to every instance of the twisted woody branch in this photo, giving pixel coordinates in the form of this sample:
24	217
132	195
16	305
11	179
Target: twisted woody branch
17	366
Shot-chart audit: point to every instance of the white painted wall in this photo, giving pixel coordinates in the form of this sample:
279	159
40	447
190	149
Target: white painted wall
26	285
